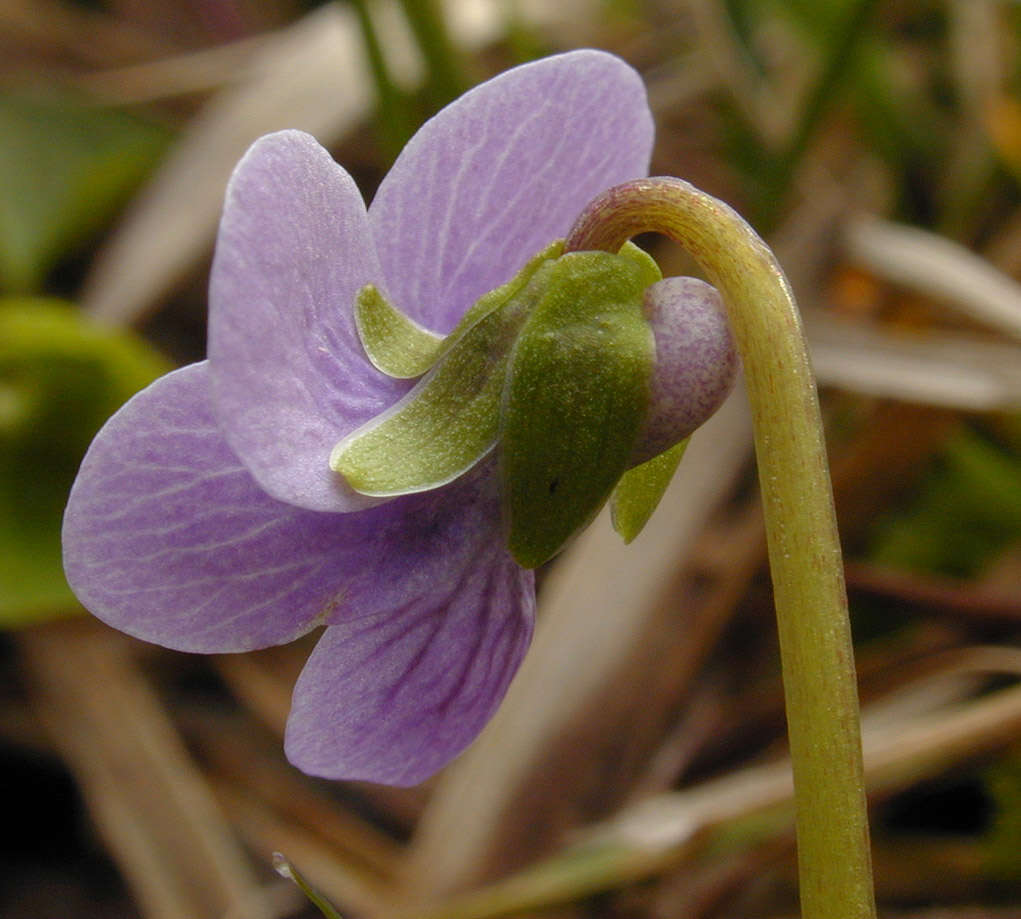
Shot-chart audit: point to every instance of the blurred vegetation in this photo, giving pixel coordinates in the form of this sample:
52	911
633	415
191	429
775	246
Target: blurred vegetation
804	114
60	379
66	167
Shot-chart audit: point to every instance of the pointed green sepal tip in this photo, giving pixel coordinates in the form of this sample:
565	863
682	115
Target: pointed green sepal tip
640	490
577	393
450	420
394	343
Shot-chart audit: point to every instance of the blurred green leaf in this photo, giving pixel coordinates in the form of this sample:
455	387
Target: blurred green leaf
60	379
65	167
841	28
967	510
1003	781
396	118
820	18
447	69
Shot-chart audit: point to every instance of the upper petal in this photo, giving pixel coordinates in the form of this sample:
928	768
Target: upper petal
502	172
290	377
167	536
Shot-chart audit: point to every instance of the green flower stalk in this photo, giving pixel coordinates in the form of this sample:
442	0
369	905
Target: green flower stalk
804	549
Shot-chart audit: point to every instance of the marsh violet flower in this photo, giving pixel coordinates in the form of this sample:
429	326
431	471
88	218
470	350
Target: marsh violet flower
206	516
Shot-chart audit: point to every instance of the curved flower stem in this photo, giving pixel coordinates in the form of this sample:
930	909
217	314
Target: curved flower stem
804	550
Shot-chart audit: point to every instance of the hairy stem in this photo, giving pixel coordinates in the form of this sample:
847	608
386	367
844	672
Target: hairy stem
804	550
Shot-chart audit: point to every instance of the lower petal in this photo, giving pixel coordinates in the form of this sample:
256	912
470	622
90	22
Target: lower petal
392	696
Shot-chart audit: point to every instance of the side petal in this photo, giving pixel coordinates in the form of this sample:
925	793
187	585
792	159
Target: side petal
501	173
167	536
393	696
290	376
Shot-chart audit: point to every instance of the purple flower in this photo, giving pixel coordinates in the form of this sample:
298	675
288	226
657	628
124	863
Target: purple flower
205	516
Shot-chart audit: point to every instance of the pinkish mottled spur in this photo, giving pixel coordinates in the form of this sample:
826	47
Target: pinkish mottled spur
205	516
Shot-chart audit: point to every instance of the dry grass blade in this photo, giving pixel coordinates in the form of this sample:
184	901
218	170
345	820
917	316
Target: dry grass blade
151	804
247	764
935	368
311	76
937	267
962	912
939	596
199	71
938	682
976	54
742	807
347	885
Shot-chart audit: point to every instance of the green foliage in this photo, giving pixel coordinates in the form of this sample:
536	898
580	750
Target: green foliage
446	66
821	20
967	509
65	166
396	115
60	379
448	72
862	71
577	394
1003	782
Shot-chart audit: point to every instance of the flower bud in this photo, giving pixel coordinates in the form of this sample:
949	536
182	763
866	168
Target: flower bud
696	363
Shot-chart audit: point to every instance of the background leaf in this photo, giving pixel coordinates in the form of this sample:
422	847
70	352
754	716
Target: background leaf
60	379
65	167
967	509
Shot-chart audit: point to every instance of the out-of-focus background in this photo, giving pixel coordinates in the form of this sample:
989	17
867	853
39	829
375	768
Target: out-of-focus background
637	767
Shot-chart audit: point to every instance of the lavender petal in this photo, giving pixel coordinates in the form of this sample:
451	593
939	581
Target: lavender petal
393	696
502	172
290	376
168	538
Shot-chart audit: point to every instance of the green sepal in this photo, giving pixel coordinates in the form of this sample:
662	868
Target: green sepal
577	394
61	377
640	490
450	420
394	343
